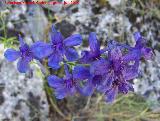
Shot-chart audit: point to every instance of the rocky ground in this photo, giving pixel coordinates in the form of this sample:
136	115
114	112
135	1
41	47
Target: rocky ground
22	97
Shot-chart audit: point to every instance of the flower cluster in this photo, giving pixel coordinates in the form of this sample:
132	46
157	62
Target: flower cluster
109	70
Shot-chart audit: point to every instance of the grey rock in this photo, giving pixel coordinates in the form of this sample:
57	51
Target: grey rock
37	22
54	8
66	28
114	3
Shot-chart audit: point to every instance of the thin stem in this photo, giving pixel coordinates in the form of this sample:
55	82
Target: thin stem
88	102
141	114
99	98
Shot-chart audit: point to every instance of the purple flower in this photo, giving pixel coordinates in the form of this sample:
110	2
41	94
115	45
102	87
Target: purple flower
94	53
38	50
115	73
68	85
24	54
145	52
140	50
117	86
61	47
83	73
91	81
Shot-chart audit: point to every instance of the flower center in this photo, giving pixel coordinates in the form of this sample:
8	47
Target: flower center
70	83
116	83
117	66
25	51
97	79
57	46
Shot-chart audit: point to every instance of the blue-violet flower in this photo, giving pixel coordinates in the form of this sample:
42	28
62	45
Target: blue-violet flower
61	47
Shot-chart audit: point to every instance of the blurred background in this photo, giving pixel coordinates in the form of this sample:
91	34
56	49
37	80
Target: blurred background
22	96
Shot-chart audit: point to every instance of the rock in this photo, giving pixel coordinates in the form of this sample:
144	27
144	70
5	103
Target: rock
66	28
3	5
54	8
2	86
114	3
36	16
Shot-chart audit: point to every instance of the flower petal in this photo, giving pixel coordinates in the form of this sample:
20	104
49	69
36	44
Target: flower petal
55	81
99	66
72	91
66	69
73	40
106	84
56	37
60	93
132	55
11	54
21	40
85	57
96	80
115	54
41	50
89	56
81	72
87	90
131	71
93	42
54	60
23	65
137	36
111	94
53	29
71	54
125	87
147	53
